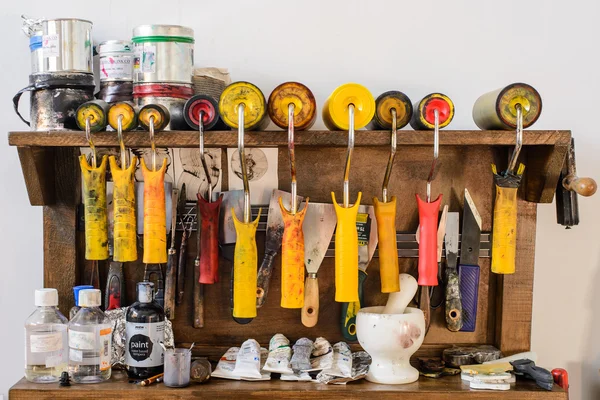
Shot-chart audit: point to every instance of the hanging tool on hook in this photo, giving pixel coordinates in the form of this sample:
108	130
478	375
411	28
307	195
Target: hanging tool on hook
122	116
292	105
453	312
206	265
154	117
248	102
339	113
92	116
186	222
393	111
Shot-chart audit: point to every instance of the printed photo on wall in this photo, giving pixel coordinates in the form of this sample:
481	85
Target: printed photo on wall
261	164
189	171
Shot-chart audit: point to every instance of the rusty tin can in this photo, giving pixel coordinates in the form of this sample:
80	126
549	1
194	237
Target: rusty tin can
172	96
497	109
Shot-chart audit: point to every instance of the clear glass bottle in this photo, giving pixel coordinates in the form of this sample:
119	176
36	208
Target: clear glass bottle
144	331
90	340
76	290
46	349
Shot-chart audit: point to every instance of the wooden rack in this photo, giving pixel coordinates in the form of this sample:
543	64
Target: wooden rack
51	173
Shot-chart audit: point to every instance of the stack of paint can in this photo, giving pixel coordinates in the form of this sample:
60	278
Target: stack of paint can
116	70
163	68
61	77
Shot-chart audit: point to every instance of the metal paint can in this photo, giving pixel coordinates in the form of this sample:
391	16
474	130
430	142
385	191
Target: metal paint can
172	96
116	60
62	45
163	54
496	109
55	98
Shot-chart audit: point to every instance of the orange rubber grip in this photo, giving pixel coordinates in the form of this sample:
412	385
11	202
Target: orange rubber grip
155	215
428	223
385	213
292	258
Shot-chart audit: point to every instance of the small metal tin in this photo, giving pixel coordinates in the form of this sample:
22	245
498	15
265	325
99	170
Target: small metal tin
66	46
172	96
496	109
163	54
116	60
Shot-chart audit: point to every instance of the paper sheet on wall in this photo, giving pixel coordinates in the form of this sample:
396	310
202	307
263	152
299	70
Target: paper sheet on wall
262	172
189	170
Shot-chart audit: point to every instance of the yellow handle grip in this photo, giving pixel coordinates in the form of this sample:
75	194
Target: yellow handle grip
385	213
124	231
310	310
155	215
346	252
245	264
292	258
504	237
94	201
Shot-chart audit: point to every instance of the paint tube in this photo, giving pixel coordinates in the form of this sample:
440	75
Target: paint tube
322	355
226	366
361	362
300	377
247	364
301	359
280	354
342	361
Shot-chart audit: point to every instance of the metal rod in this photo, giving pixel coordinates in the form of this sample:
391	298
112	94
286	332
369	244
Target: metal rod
294	206
349	155
436	152
88	136
202	158
121	143
515	155
241	122
152	144
390	164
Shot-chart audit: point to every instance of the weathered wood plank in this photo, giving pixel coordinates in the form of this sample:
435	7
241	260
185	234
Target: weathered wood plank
544	164
37	166
60	249
447	388
515	292
279	138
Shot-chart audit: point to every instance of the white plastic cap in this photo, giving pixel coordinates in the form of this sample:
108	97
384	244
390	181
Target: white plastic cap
90	298
46	297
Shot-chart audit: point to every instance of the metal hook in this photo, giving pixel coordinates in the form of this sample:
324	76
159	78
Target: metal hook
88	136
202	158
349	155
294	205
436	152
515	155
390	164
241	122
152	144
121	143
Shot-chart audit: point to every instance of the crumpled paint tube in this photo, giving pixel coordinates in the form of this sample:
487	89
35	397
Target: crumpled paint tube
342	361
226	366
361	360
280	354
247	364
301	358
322	355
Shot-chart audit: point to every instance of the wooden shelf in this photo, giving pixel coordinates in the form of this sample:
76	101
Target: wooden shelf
279	138
425	388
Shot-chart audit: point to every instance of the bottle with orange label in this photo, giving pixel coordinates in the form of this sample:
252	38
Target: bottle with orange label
90	340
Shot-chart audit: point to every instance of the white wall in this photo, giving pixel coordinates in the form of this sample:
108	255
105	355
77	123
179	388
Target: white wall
462	48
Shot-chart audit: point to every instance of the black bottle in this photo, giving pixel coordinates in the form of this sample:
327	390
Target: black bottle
144	330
